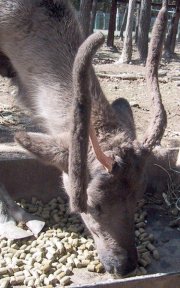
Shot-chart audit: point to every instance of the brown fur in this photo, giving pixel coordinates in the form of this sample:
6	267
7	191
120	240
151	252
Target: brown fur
48	39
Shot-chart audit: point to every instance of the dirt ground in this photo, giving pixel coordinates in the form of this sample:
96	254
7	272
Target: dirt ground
135	90
112	78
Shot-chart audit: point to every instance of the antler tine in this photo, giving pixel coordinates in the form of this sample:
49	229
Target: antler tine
105	160
159	120
80	122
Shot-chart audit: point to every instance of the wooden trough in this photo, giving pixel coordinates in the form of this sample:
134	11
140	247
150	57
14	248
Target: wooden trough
24	177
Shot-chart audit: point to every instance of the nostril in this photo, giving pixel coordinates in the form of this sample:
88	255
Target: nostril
120	269
109	268
126	267
124	271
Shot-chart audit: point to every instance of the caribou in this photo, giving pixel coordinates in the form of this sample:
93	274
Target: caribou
93	143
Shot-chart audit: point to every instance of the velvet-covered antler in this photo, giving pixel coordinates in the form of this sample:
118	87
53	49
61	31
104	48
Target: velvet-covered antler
158	123
105	160
80	122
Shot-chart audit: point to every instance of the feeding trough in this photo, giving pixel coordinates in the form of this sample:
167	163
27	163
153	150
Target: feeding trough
26	178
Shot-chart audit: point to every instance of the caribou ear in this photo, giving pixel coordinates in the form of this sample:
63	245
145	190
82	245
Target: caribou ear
50	150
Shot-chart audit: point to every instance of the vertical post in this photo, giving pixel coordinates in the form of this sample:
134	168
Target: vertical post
123	25
127	46
93	16
138	7
84	15
112	24
175	26
143	31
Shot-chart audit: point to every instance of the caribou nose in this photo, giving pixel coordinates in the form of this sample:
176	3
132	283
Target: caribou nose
125	270
121	270
120	266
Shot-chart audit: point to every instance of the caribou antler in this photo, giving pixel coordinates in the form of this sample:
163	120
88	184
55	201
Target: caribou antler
80	123
105	160
159	120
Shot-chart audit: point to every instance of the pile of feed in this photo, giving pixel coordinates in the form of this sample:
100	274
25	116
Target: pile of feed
63	245
144	241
